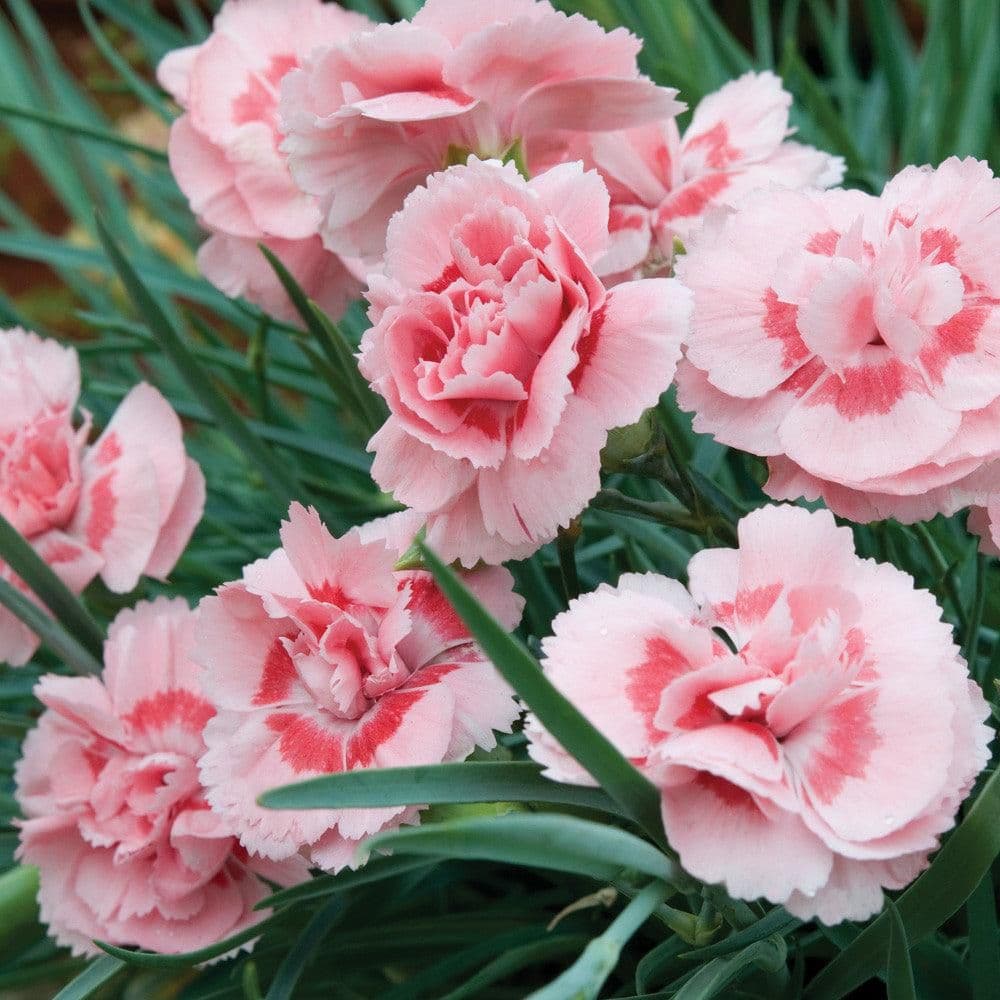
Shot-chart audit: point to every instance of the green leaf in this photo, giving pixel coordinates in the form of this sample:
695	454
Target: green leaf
19	554
101	971
146	93
471	781
585	977
60	124
377	870
938	893
51	633
715	976
18	905
542	840
631	790
294	963
348	383
278	476
984	941
154	960
898	971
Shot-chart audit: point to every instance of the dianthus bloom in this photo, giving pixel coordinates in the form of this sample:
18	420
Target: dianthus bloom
116	821
323	658
368	120
122	507
503	358
852	340
224	150
817	754
661	184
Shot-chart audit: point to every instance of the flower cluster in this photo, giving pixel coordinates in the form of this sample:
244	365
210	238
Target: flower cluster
813	752
543	252
122	507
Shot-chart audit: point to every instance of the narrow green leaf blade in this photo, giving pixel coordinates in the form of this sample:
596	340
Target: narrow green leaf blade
471	781
49	631
278	477
561	843
898	971
18	553
101	971
631	790
294	963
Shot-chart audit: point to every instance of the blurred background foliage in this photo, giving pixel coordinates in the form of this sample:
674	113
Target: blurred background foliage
82	136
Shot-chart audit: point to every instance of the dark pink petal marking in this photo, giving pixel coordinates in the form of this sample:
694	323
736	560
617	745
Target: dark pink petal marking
382	723
586	347
176	706
108	450
780	322
645	683
102	511
277	677
732	795
427	602
718	153
445	279
753	605
865	391
824	244
692	199
850	741
304	745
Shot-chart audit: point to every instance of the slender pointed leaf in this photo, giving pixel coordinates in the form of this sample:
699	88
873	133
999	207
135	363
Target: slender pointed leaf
19	554
898	971
472	781
100	972
541	840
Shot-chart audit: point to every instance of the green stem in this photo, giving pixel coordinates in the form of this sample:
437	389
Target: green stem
942	568
970	648
566	548
18	908
668	514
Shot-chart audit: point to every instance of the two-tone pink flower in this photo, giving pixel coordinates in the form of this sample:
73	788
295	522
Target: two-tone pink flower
122	507
115	816
225	156
805	713
325	658
851	339
504	359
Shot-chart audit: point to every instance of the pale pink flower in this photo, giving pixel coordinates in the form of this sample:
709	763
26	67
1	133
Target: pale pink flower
123	507
503	358
852	340
369	119
224	150
819	761
323	658
115	818
661	184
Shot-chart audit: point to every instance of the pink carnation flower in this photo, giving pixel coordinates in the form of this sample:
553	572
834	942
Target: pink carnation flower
851	339
224	150
503	358
116	821
122	508
662	184
323	658
368	120
820	761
